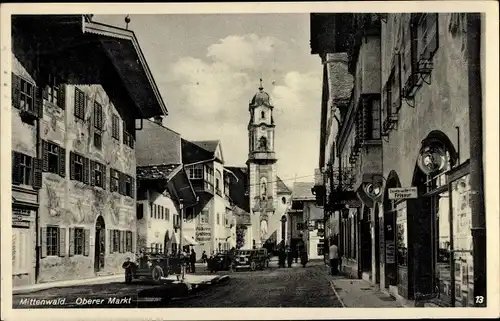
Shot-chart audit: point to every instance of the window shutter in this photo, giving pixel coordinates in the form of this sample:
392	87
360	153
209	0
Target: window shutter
61	96
86	171
39	101
45	155
132	187
16	91
62	162
43	242
77	101
110	240
37	173
92	173
121	235
86	242
71	165
71	241
62	242
16	169
104	181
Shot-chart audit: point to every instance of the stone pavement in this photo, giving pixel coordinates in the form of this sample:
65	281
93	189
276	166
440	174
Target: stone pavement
356	293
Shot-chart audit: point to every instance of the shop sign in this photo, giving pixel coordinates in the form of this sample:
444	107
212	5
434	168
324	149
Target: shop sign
401	193
17	221
203	234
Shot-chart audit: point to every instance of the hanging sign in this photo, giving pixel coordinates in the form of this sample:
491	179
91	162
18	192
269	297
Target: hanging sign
401	193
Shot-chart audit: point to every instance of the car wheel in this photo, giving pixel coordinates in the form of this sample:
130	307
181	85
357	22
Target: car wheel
157	273
253	266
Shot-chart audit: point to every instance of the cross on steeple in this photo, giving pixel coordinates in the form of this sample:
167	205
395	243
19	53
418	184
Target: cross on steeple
260	86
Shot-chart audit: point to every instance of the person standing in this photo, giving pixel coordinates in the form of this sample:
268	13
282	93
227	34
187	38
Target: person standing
334	258
192	261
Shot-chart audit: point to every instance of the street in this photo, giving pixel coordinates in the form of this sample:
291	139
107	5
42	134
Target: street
272	287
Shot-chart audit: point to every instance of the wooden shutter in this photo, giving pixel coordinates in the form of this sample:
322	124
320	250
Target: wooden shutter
77	102
62	162
92	172
45	156
16	91
132	187
16	169
62	242
86	170
38	91
110	239
104	169
43	242
71	165
37	173
86	242
71	241
61	96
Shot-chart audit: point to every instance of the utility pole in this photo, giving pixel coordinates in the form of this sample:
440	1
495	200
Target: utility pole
181	219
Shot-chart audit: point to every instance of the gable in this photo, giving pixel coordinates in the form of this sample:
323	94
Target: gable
218	153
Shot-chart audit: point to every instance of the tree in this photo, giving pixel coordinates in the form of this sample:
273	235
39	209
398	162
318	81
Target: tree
240	236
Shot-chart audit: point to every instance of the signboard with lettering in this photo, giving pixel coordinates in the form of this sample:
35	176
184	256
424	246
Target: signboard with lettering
401	193
203	234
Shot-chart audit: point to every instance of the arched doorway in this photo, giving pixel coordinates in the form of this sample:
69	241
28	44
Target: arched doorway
100	244
390	231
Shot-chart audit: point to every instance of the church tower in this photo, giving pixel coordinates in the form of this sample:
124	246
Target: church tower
262	168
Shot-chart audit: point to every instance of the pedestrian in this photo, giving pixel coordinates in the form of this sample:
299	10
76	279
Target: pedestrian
281	257
290	257
204	257
192	260
334	258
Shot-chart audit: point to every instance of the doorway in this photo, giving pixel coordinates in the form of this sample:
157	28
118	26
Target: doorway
100	244
378	245
366	242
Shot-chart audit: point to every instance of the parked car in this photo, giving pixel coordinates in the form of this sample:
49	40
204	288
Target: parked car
251	259
152	266
220	262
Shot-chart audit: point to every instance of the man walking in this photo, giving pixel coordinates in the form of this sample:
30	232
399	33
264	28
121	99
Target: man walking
192	261
334	258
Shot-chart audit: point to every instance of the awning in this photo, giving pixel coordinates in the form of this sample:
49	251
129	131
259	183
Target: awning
188	240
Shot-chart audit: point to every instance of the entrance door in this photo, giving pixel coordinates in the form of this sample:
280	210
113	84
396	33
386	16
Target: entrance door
21	252
100	244
366	246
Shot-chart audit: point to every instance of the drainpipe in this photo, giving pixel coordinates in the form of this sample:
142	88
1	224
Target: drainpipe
339	187
478	229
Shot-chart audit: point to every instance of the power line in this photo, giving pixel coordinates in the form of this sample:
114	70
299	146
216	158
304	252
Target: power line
283	180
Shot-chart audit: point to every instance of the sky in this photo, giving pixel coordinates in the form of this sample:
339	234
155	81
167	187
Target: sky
207	68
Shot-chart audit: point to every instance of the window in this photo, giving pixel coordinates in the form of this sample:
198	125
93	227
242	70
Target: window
204	217
262	114
128	245
53	155
98	125
52	241
115	127
140	211
320	247
162	213
114	180
195	172
79	104
22	169
98	173
218	178
116	241
79	241
128	139
218	218
54	93
128	185
167	214
427	37
78	165
27	95
371	118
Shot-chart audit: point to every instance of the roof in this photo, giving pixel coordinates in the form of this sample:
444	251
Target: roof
165	172
208	145
302	191
281	186
157	145
122	46
193	153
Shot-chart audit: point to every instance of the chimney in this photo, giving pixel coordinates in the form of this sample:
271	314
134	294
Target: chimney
158	120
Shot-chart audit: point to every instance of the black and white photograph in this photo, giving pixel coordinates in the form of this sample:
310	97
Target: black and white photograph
168	157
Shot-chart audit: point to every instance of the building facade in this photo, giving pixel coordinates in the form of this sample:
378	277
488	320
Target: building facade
429	72
73	141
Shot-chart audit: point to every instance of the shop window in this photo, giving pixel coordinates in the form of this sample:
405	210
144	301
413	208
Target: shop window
79	241
115	127
98	174
80	102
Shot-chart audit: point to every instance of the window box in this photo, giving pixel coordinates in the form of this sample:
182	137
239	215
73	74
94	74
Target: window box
27	98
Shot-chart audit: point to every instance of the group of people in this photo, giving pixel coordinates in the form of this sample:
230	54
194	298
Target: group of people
286	256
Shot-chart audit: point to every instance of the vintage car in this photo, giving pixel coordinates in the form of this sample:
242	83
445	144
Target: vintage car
152	266
222	261
251	259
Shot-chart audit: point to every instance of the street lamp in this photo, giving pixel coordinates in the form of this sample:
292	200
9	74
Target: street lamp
375	187
432	157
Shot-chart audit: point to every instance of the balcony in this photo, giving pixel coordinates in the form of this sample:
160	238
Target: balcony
201	186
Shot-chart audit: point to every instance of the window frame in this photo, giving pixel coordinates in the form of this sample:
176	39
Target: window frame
76	161
55	154
98	168
52	232
204	217
78	240
116	241
115	127
80	104
112	179
26	94
196	171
